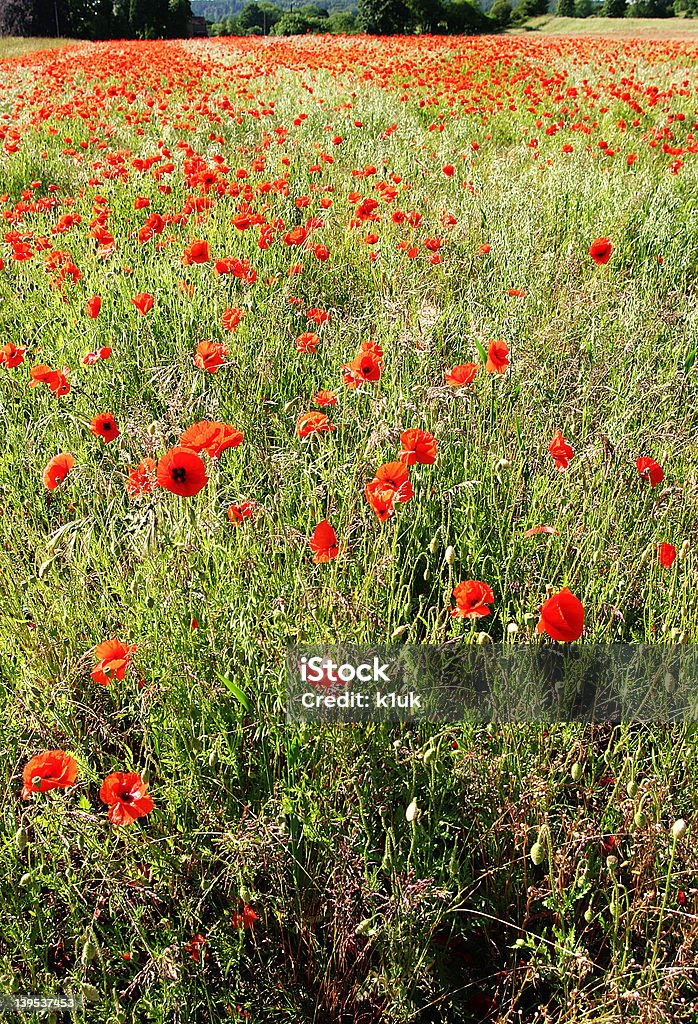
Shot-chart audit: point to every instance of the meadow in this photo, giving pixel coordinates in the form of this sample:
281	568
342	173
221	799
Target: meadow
353	340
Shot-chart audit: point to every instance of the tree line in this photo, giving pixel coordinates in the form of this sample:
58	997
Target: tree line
96	19
157	19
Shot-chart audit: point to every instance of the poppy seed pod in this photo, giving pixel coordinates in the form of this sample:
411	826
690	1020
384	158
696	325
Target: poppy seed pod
678	829
537	853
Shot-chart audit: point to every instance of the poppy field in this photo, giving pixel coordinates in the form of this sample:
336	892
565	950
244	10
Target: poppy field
343	340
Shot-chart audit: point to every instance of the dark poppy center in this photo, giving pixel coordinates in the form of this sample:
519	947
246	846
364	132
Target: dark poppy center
126	798
179	474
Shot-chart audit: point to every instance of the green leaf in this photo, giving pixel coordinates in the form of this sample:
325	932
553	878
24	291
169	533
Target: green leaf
690	360
235	690
481	350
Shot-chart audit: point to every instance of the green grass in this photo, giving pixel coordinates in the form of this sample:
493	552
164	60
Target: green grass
14	46
613	28
362	914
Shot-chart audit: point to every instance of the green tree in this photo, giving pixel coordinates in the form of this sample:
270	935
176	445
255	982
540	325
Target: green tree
614	9
464	18
383	17
566	9
500	13
341	23
425	15
529	9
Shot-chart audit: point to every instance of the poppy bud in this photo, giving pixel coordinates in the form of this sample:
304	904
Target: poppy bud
678	829
90	993
513	628
640	819
429	754
484	638
576	771
504	464
21	840
612	862
537	853
25	879
669	682
631	789
434	545
400	631
450	555
684	549
89	951
213	758
588	915
412	811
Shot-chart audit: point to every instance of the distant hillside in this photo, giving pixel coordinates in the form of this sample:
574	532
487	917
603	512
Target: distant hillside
215	10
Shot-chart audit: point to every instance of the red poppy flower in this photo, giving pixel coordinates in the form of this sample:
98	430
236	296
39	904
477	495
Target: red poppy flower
238	513
417	446
472	598
94	357
560	450
562	617
600	250
395	475
461	375
196	252
540	529
127	796
114	658
367	366
484	249
209	356
380	498
141	480
324	398
104	426
52	769
324	542
497	357
93	306
307	342
232	317
57	470
11	355
56	380
195	947
296	236
667	554
182	471
313	423
650	470
244	918
143	302
211	436
318	316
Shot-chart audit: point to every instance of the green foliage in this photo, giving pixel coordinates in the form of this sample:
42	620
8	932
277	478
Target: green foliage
529	9
614	8
382	17
500	12
566	9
